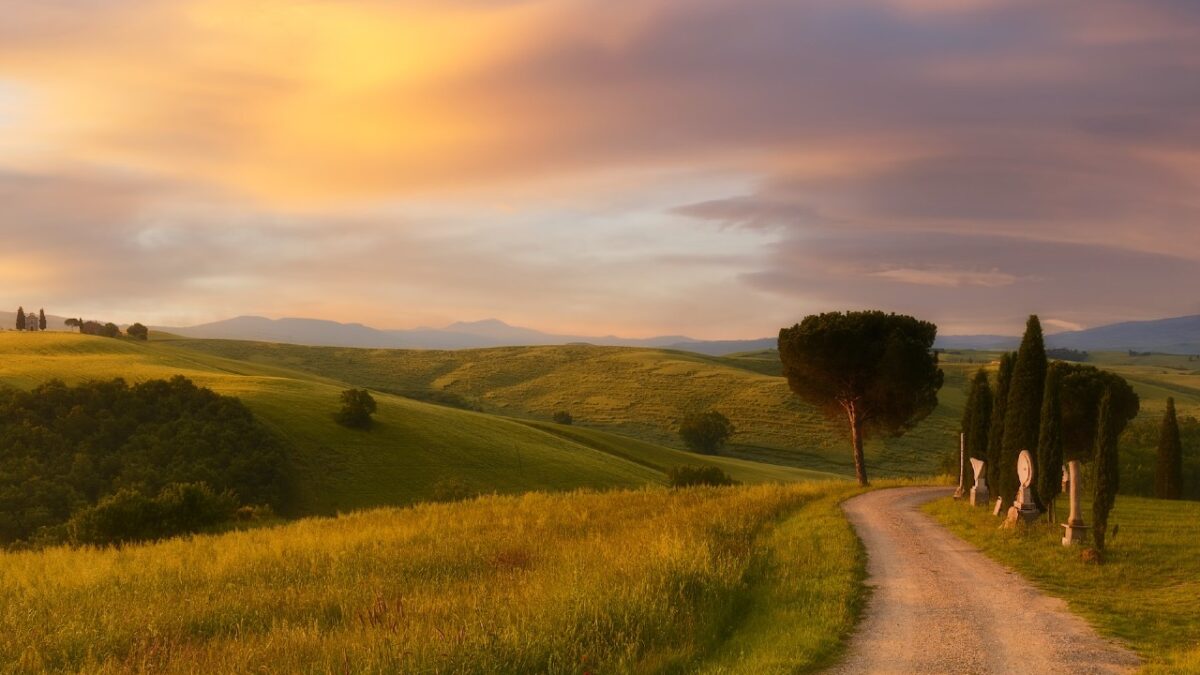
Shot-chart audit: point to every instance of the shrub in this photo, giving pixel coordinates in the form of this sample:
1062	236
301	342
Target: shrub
563	417
138	332
706	432
689	476
453	490
357	407
129	516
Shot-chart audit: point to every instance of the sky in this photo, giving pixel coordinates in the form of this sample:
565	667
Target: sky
716	169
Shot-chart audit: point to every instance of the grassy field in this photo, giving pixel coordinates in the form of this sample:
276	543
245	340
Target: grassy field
642	393
748	579
1145	594
413	446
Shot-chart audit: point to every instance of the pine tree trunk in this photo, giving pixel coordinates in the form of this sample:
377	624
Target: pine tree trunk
856	439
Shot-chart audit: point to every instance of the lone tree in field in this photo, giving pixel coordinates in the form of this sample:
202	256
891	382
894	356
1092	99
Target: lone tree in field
877	371
1050	442
976	420
357	407
41	319
74	323
706	432
1022	415
1168	469
1107	473
138	332
20	318
996	424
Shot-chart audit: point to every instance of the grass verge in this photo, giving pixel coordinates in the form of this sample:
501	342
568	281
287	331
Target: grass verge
1145	594
747	579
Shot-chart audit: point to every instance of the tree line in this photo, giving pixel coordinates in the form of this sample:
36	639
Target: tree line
30	322
108	462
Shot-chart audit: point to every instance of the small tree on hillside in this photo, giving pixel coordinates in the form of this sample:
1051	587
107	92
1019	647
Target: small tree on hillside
706	432
1107	474
20	318
563	417
74	323
41	319
1050	442
1168	468
976	420
357	407
877	371
996	423
1022	415
138	332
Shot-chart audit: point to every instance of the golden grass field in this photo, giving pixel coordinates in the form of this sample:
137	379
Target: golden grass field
758	579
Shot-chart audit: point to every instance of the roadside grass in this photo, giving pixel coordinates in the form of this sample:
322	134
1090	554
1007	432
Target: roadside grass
755	579
1146	592
412	447
640	393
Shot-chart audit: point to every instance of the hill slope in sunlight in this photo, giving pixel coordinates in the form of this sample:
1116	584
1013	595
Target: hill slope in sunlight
412	447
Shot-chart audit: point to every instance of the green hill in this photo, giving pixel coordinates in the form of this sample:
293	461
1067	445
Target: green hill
643	393
412	447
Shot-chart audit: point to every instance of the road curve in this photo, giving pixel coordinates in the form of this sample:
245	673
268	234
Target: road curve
940	606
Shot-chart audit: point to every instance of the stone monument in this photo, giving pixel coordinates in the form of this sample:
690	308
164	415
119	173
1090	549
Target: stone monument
1075	531
962	470
979	493
1023	507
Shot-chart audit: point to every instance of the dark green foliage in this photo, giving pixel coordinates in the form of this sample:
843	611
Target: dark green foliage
357	407
1107	480
453	490
138	332
996	424
877	371
74	323
1081	389
20	318
691	476
1139	457
1050	440
41	319
1022	415
977	415
129	516
563	417
1168	479
102	329
64	449
706	432
1064	354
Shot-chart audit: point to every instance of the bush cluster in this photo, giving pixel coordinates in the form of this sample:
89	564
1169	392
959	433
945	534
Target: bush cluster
102	449
690	476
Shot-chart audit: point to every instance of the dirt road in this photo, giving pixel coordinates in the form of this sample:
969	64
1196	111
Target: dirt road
940	606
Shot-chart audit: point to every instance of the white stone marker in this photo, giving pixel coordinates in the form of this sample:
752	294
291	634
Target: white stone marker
979	493
1075	531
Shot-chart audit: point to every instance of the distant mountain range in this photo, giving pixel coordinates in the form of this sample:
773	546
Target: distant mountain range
1180	335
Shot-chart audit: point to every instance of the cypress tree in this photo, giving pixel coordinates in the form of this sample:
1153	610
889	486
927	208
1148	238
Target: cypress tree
20	318
1023	413
1050	442
976	418
996	423
1168	470
1107	472
41	319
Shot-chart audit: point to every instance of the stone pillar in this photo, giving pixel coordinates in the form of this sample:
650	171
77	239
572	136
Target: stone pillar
979	493
1075	531
962	467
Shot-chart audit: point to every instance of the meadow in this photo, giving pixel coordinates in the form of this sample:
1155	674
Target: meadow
758	579
411	449
638	393
1145	592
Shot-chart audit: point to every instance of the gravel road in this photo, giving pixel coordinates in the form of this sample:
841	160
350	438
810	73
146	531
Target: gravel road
940	606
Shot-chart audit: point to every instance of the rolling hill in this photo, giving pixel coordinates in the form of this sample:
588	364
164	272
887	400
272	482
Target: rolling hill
642	393
413	446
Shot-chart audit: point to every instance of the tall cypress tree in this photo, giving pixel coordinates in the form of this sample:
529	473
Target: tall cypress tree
41	319
996	423
976	418
20	318
1050	442
1168	470
1023	413
1107	471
